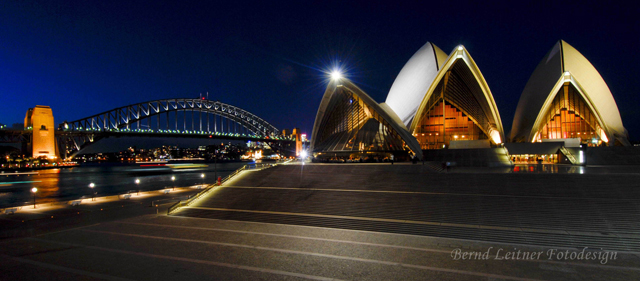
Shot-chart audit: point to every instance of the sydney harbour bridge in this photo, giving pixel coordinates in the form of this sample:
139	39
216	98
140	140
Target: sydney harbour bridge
182	117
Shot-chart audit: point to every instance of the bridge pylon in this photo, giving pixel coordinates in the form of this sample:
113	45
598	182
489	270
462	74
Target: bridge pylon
43	139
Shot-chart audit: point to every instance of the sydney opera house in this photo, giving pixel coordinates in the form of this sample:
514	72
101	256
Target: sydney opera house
441	101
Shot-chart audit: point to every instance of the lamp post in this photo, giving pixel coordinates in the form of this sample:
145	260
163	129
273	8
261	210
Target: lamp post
215	168
173	183
34	190
93	198
202	176
138	185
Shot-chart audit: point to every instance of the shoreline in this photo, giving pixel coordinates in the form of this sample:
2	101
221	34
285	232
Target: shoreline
3	170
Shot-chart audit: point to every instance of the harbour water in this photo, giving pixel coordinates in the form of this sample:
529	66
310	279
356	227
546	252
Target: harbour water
108	179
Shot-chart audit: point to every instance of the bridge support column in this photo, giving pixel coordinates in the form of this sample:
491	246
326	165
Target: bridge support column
298	135
43	139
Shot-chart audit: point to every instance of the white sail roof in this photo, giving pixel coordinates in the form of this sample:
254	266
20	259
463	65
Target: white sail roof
414	80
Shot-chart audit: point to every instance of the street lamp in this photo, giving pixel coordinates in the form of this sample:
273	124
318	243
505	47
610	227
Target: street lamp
215	168
34	190
173	183
93	198
138	185
202	176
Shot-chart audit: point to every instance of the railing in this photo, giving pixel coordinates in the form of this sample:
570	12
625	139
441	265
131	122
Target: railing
569	155
506	151
212	187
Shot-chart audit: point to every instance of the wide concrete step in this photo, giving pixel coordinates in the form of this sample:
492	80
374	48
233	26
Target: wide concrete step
483	157
424	178
564	214
547	239
178	248
540	209
613	155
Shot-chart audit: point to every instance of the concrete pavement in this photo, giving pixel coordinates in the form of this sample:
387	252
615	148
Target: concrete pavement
55	216
348	222
179	248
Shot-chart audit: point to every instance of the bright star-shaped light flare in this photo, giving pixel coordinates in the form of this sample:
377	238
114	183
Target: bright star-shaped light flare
336	75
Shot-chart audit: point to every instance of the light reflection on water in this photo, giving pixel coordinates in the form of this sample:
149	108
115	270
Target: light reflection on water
73	183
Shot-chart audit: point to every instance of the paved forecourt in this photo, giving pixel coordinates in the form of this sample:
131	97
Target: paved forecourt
358	222
560	210
60	215
158	247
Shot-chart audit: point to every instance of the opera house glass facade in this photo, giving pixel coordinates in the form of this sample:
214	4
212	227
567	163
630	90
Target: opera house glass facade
566	98
351	125
458	107
569	116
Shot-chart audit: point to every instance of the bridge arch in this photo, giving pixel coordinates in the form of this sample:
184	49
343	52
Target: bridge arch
134	115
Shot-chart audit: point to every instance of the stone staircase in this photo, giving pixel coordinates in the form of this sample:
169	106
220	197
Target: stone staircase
482	157
615	155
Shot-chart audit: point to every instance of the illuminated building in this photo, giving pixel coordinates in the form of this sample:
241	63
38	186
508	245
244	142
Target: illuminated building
43	139
567	99
351	124
437	101
445	101
298	135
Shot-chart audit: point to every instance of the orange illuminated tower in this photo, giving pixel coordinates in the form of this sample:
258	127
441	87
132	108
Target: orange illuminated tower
43	139
298	135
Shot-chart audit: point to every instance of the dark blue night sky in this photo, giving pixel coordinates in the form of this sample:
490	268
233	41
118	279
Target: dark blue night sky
268	57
